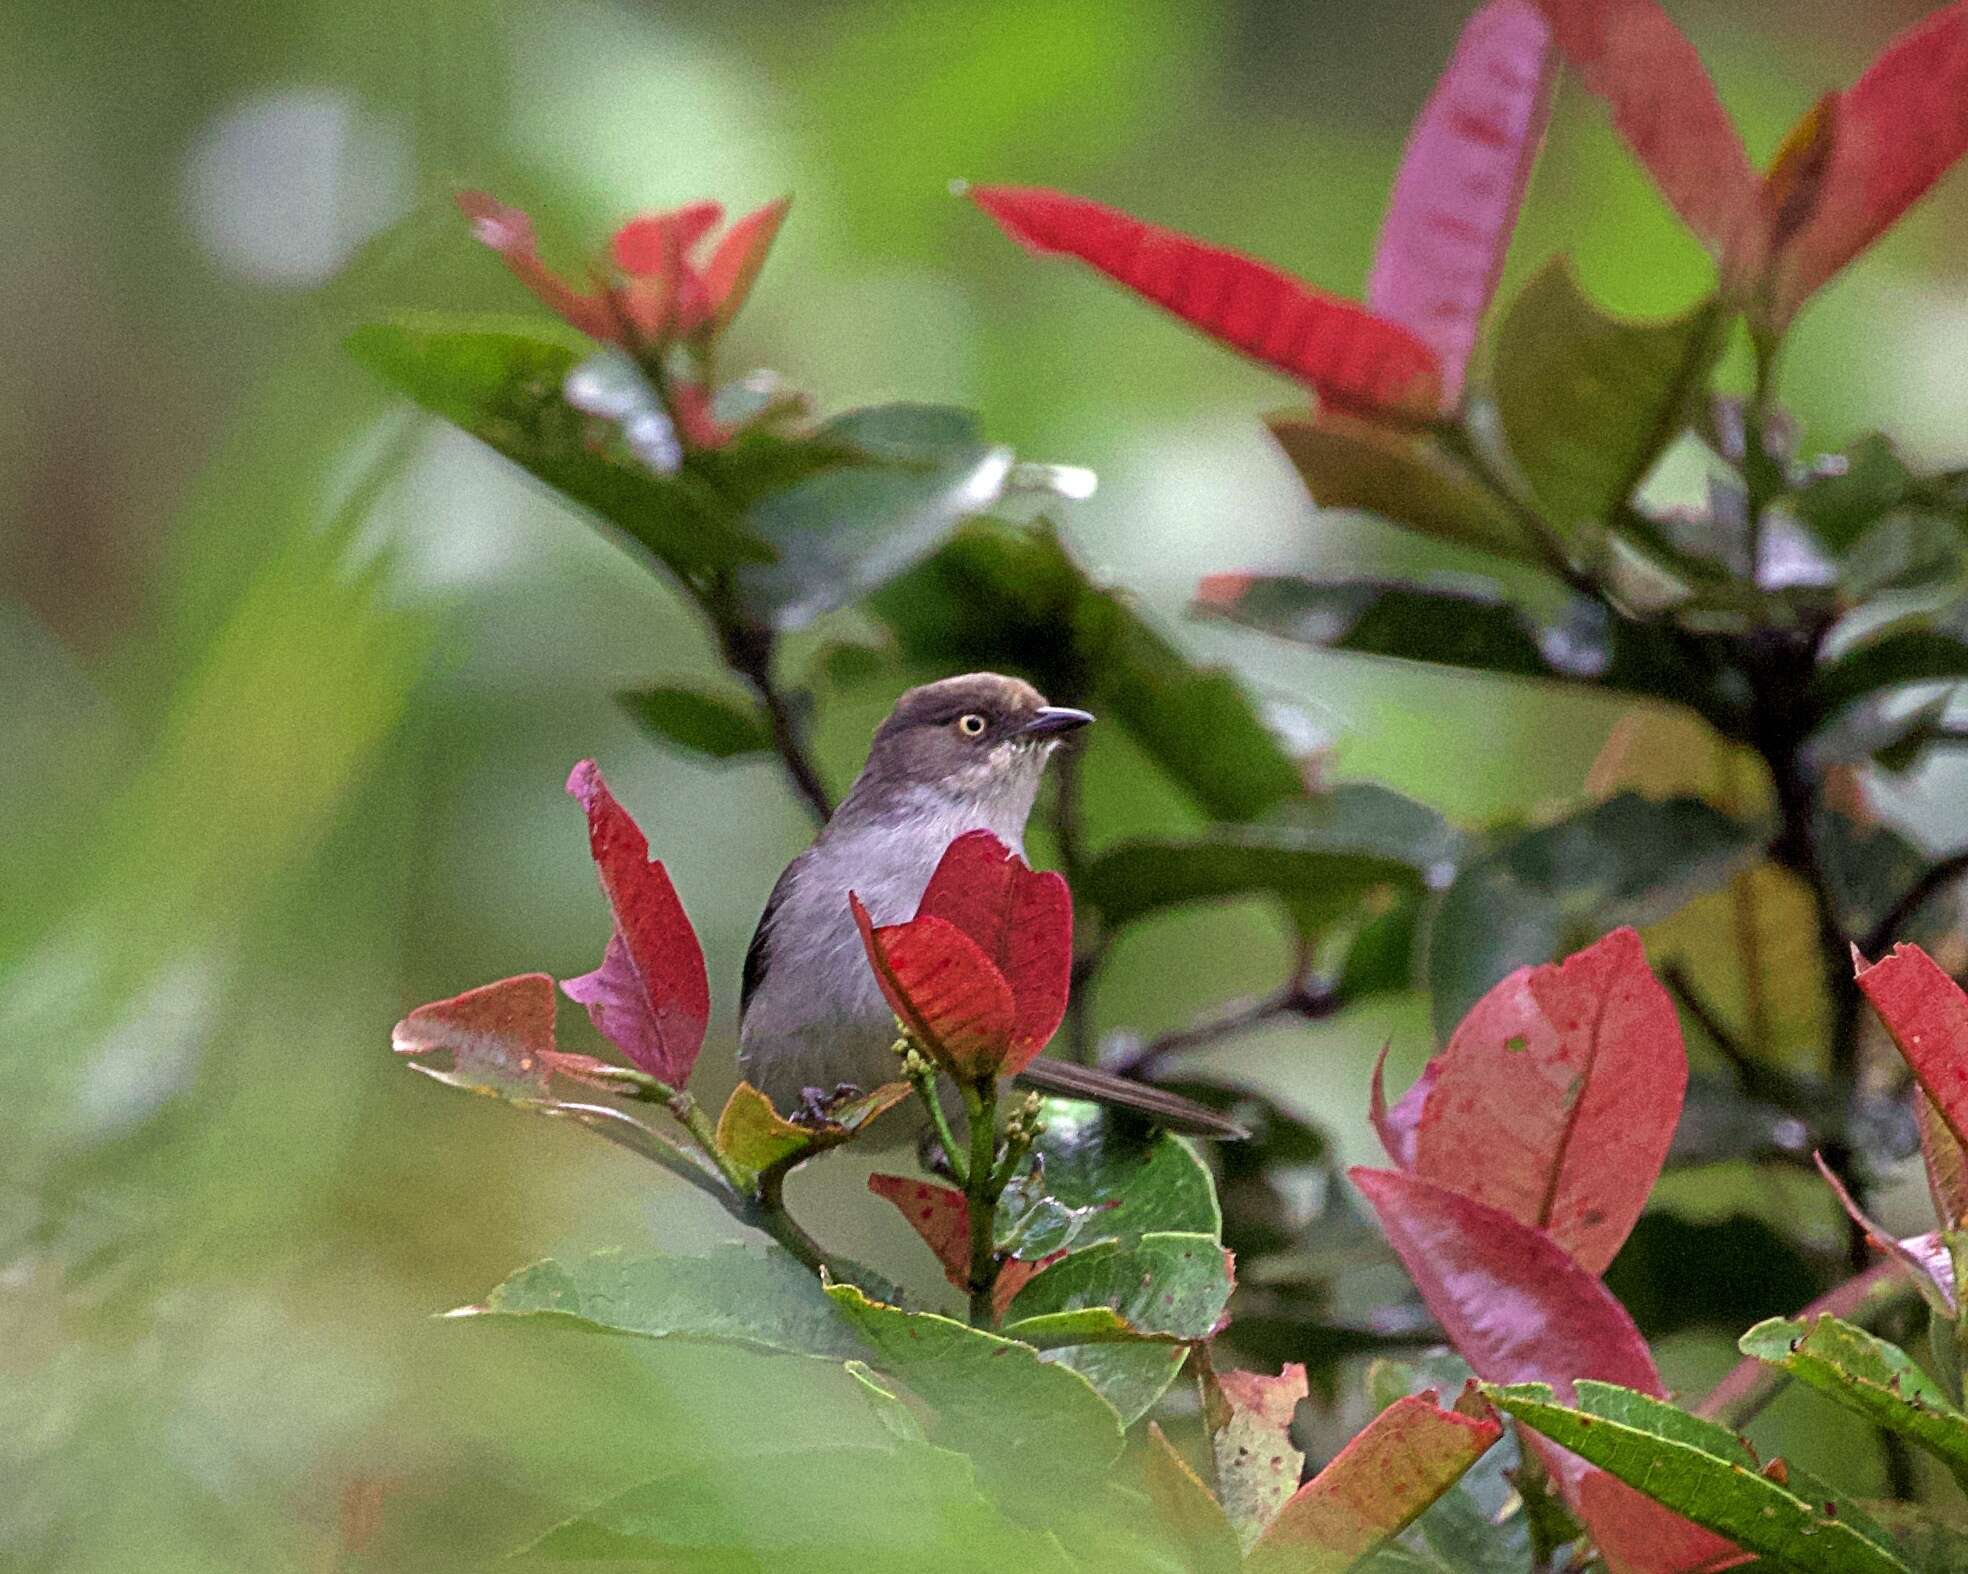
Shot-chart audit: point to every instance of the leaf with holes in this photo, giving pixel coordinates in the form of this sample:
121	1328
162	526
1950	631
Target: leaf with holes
1249	1417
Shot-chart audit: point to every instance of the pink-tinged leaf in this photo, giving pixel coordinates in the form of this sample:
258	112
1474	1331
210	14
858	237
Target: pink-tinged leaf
1636	1535
1927	1014
1021	921
1249	1418
733	267
1946	1163
1187	1509
1396	1127
1402	1461
1665	108
1515	1304
1900	128
1558	1095
1462	181
657	243
1923	1258
496	1039
752	1133
509	232
1351	357
650	997
943	989
941	1216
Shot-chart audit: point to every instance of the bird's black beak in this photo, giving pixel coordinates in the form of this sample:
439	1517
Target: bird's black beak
1051	720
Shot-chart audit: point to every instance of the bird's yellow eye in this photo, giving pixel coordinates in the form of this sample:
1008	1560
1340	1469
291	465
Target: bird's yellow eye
971	725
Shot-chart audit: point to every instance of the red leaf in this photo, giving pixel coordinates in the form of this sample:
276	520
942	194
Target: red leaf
739	256
650	996
1900	128
1396	1127
1558	1095
1021	921
1462	181
657	242
1515	1304
1636	1535
499	1037
1350	356
509	232
1629	53
1402	1461
945	990
1927	1014
941	1216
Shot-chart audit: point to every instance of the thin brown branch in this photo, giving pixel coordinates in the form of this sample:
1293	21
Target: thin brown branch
1302	996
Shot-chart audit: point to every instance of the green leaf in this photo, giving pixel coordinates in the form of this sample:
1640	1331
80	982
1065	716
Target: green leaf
1674	1274
1708	1474
998	597
755	1136
1853	491
1627	860
1924	648
1147	1181
1321	855
847	1510
847	530
991	1396
1403	477
889	1408
1867	1375
702	721
1589	401
1906	552
756	1297
1187	1508
505	388
1249	1418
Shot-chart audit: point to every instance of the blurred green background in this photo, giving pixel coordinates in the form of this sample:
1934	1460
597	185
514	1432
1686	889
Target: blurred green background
290	678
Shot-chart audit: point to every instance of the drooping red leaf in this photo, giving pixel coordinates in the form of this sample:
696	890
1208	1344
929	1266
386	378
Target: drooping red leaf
1462	181
1515	1304
1023	923
1900	128
728	276
498	1037
1402	1461
1350	356
650	997
1249	1417
1665	108
1927	1014
941	1216
509	232
1396	1127
944	990
1558	1095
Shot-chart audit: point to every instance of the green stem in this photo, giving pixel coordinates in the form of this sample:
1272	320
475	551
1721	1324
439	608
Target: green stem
1762	477
981	1192
924	1082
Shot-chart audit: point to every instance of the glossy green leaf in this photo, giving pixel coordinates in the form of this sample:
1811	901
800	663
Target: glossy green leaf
1852	491
846	1510
1708	1474
1865	1374
752	1296
848	529
1147	1181
1627	860
1277	1183
998	597
1321	855
1924	648
505	388
1589	401
704	721
1401	476
990	1396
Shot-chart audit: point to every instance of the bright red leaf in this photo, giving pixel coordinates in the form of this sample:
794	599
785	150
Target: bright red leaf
941	1216
1558	1095
499	1038
1665	108
944	991
1402	1461
1927	1014
1462	181
1899	129
1350	356
650	996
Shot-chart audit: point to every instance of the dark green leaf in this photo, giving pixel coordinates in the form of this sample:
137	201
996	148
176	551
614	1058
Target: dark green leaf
1867	1375
1674	1274
505	388
1852	491
1904	552
1147	1181
1380	959
1707	1473
758	1297
1925	648
1589	401
1032	1224
1279	1181
998	597
1628	860
699	720
1870	866
1321	855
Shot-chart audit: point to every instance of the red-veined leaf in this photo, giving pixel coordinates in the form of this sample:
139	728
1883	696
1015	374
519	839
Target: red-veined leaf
944	990
1023	923
1462	181
1349	355
1398	1464
941	1216
739	256
1249	1416
1558	1095
1927	1014
650	996
509	232
1900	128
1665	108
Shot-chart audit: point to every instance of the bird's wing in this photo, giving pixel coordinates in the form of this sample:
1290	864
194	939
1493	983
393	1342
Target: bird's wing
758	955
1169	1110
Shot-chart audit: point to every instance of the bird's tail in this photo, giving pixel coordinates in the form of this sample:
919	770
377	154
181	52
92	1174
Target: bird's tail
1064	1079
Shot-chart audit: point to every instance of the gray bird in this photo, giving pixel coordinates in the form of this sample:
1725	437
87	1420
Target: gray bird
955	756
